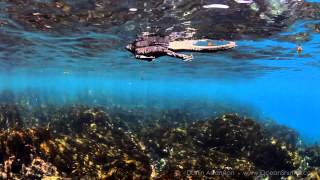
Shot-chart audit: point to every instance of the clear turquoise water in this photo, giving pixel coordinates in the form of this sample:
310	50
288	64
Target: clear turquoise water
265	78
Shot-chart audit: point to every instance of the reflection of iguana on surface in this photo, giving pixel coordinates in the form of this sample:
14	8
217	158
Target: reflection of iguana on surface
260	17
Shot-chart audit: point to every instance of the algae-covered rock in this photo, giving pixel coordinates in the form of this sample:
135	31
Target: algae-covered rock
229	133
283	134
313	155
20	157
98	143
9	117
88	144
176	154
207	164
314	174
243	137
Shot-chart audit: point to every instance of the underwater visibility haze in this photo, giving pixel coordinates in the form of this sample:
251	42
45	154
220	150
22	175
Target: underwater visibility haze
74	103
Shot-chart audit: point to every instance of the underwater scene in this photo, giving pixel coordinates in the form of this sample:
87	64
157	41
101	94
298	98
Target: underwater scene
160	89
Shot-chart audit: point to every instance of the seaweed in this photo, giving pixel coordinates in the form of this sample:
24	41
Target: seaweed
116	143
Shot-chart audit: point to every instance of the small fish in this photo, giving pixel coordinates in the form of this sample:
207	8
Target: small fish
244	1
299	49
220	6
133	9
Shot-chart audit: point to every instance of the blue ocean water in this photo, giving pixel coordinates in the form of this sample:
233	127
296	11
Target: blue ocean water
264	77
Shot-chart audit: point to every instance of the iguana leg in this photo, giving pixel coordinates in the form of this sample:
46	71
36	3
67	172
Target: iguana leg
184	57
